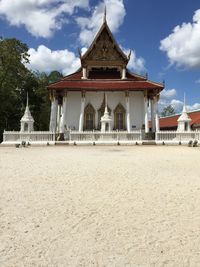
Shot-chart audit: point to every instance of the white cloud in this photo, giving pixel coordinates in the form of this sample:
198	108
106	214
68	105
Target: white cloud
166	94
197	81
40	17
167	98
177	105
195	106
45	60
115	17
90	26
182	45
136	64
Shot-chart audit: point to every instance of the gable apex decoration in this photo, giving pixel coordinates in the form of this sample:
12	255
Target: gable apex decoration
105	13
104	50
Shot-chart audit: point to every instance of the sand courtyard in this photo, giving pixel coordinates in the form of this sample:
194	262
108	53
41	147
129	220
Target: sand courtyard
115	206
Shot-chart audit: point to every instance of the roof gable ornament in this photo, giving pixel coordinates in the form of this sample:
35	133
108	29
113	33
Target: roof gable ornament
129	55
104	50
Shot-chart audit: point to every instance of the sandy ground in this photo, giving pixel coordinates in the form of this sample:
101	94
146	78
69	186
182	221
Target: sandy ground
100	206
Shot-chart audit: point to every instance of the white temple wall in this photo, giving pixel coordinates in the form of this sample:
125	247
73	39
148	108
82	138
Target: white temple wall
136	110
113	99
95	99
73	109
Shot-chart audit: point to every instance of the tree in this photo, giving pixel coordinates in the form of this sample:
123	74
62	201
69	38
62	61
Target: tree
168	111
13	55
15	81
54	76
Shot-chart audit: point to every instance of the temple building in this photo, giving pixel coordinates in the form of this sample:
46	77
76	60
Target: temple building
103	95
186	121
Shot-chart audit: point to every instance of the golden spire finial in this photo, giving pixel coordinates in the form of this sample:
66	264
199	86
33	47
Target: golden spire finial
104	18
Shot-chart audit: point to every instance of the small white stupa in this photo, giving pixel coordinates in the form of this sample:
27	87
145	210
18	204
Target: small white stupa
106	119
27	120
184	120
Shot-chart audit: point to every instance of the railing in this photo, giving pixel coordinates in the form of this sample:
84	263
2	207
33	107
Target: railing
12	136
177	136
106	136
173	136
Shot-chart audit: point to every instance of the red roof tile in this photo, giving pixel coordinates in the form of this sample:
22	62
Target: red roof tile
133	82
171	121
103	85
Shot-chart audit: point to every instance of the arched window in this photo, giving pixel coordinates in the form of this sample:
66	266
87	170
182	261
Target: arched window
89	118
119	118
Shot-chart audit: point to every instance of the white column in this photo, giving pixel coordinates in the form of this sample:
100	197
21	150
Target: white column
123	73
146	119
53	118
82	113
157	123
58	118
64	114
152	116
84	73
128	112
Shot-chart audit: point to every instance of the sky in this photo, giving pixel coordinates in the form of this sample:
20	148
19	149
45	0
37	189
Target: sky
164	37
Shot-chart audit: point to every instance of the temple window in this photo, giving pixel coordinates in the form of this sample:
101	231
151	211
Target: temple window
119	118
89	118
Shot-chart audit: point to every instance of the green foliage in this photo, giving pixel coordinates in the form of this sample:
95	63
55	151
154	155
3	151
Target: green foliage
168	111
54	76
12	73
13	55
15	81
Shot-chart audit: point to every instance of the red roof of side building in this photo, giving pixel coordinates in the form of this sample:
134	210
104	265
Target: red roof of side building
105	81
168	122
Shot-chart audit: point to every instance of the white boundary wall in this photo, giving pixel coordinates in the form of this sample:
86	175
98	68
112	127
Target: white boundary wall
175	136
14	136
168	137
107	136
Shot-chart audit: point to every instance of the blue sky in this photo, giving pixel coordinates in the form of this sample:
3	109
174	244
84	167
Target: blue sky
164	37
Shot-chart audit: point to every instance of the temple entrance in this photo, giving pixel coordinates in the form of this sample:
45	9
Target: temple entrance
119	118
89	118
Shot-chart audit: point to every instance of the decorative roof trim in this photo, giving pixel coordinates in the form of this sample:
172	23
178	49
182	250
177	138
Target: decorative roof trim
105	26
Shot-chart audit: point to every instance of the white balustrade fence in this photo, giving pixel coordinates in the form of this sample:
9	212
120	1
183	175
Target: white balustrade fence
177	136
12	136
161	136
106	136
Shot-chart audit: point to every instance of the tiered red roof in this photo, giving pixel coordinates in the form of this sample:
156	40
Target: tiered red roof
101	81
102	61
